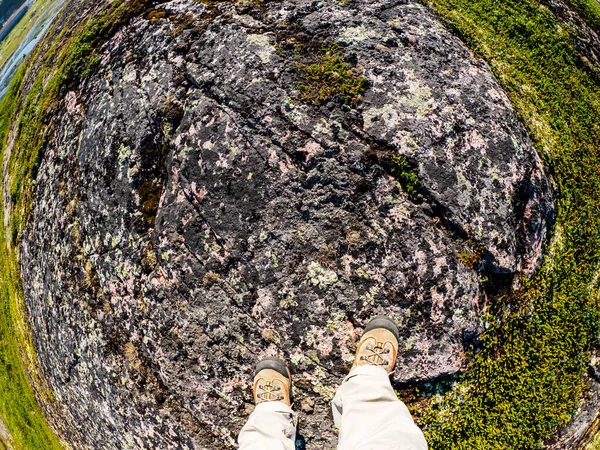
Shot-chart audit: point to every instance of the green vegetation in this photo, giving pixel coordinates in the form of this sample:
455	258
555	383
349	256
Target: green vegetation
472	255
69	58
527	378
401	171
18	407
594	444
8	102
589	11
330	77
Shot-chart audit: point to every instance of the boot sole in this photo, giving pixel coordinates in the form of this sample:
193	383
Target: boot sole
275	364
385	323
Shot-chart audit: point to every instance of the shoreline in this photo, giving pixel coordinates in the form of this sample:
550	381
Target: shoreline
14	19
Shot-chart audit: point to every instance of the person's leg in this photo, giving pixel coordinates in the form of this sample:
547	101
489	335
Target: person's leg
272	424
365	407
370	416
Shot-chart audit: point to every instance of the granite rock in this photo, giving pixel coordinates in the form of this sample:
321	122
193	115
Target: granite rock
192	214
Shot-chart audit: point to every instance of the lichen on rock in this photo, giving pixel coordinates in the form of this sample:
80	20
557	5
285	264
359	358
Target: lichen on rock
193	213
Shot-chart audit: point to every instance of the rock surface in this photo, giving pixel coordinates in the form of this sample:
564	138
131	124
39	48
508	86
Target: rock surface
192	215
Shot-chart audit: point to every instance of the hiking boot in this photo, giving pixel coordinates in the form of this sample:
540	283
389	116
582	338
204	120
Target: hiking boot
378	345
272	382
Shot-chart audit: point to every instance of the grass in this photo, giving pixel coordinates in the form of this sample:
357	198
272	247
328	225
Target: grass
69	59
528	377
594	444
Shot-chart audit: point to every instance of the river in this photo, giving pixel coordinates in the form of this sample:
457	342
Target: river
37	31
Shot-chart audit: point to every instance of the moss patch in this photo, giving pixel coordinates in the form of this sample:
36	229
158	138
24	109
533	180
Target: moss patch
528	377
401	171
330	77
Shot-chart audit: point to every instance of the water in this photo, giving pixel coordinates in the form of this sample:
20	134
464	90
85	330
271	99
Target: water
37	31
8	7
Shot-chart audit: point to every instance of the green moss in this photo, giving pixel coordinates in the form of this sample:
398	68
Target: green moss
329	78
593	442
402	172
18	407
528	377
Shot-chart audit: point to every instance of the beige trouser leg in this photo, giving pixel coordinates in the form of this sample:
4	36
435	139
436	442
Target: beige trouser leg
370	416
271	426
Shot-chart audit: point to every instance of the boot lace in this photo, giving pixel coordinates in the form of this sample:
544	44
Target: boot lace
374	355
268	392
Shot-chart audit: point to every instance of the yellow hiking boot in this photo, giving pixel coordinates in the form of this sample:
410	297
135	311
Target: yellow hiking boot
378	345
272	382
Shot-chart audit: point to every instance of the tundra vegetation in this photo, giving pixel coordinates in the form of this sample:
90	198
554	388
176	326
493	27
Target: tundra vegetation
527	379
329	77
